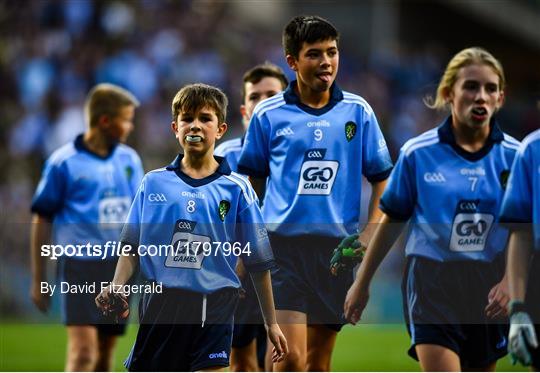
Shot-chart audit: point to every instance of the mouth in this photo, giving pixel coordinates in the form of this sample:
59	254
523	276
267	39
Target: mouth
325	77
479	114
193	139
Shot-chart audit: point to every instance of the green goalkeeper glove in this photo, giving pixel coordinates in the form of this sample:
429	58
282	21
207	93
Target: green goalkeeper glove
347	255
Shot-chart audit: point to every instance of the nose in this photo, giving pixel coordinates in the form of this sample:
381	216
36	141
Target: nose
481	95
325	60
194	126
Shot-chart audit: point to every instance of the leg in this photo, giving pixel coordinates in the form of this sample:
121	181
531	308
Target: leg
106	345
435	358
320	344
268	365
82	348
244	359
213	369
293	325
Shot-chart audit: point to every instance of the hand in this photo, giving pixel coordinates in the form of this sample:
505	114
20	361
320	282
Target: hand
355	303
113	303
277	338
521	338
498	299
41	300
348	254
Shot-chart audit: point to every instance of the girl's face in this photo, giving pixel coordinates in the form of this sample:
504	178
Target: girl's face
475	96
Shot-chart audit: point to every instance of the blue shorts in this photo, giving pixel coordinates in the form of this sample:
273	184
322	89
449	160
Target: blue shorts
302	281
532	302
248	321
80	308
444	305
171	335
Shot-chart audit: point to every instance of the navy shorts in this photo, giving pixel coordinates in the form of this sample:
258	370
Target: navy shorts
248	321
444	305
172	336
302	281
80	308
532	302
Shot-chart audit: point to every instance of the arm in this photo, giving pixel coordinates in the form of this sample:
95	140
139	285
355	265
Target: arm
385	235
263	287
125	268
374	214
40	234
517	266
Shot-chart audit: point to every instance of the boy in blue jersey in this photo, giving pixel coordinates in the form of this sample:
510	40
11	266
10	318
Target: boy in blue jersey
521	207
449	183
249	336
85	192
313	143
209	216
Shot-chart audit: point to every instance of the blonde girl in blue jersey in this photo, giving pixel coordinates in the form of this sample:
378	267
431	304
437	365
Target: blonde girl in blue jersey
449	184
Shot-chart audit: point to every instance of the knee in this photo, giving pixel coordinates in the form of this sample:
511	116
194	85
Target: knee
82	358
295	361
318	361
243	366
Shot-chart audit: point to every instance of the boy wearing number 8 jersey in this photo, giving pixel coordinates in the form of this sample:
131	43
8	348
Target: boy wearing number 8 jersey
210	216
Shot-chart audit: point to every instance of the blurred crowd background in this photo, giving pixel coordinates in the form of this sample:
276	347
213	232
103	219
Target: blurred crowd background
392	52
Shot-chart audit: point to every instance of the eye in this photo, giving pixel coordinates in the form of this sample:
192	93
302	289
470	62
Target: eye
469	86
492	88
254	97
332	53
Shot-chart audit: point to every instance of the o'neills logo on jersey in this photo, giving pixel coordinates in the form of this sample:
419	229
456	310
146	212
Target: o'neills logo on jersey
478	171
317	175
319	123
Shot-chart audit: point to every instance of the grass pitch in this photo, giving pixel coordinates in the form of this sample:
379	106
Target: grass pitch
38	347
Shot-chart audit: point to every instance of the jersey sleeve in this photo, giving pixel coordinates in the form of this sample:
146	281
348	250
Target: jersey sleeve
252	231
254	157
399	197
516	205
138	172
132	228
50	192
376	161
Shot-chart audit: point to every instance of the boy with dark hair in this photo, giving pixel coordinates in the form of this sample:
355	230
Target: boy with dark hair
249	336
209	216
84	195
313	142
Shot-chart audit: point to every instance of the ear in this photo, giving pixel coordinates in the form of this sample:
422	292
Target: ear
103	121
243	112
292	62
174	128
222	128
448	95
500	101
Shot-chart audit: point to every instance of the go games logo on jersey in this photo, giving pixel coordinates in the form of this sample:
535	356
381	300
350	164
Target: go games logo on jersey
470	228
317	175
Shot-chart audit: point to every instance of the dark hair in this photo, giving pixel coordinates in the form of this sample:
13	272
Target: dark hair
308	29
194	97
106	99
259	72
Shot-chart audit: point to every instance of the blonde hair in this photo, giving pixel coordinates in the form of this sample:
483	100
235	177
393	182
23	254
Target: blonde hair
106	99
469	56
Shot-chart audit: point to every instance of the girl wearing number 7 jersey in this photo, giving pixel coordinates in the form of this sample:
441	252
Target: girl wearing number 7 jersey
449	183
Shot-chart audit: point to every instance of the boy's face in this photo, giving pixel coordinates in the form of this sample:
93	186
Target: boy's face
117	128
197	132
317	64
255	93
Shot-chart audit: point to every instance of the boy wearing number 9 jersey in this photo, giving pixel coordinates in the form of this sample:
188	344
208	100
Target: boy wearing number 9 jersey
209	216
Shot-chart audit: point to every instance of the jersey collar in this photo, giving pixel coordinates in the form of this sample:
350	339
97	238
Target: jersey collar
290	96
80	146
446	135
223	169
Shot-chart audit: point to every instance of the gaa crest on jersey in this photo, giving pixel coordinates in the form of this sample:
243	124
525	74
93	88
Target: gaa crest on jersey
503	178
128	171
350	130
223	209
317	175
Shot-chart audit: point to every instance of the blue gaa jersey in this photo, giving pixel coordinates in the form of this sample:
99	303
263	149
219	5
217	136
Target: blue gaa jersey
452	197
202	226
87	196
230	150
521	202
314	160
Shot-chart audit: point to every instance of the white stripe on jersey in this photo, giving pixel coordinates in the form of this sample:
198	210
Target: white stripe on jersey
428	138
62	154
350	98
269	104
510	142
228	147
242	183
